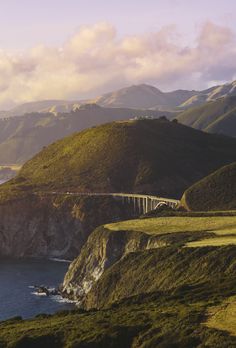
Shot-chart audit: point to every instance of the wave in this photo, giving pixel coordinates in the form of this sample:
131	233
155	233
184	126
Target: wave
59	260
60	299
38	293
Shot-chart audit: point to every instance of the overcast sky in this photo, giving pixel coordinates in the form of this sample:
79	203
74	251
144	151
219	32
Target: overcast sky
71	49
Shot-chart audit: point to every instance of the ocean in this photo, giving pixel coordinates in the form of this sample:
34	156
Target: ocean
17	295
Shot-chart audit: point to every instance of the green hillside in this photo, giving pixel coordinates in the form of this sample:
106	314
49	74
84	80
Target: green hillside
216	191
22	137
156	156
214	117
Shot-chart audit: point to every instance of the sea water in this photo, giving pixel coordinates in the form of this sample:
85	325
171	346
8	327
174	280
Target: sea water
17	293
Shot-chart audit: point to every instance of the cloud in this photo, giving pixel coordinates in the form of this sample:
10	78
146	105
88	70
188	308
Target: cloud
95	59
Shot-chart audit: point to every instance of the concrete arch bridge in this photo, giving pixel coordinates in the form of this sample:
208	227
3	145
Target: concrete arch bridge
141	203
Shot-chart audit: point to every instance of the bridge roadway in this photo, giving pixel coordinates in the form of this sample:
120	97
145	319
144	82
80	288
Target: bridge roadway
141	203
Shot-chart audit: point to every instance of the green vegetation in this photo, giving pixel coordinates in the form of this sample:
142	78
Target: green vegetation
216	191
217	116
165	269
154	321
156	156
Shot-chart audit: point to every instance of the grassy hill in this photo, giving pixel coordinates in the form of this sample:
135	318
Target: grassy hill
214	117
156	156
22	137
216	191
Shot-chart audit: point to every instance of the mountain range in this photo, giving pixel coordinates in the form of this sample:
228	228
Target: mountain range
141	96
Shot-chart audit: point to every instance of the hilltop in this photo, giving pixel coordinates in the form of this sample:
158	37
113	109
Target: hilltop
215	192
152	156
22	137
214	117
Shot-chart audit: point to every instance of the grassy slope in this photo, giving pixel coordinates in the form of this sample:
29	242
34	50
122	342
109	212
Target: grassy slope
163	269
206	231
155	156
159	321
216	191
214	117
165	225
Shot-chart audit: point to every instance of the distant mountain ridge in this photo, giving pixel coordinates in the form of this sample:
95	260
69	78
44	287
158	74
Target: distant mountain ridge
217	116
211	94
141	96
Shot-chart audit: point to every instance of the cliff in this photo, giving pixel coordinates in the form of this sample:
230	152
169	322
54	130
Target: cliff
49	226
102	250
140	256
105	247
163	269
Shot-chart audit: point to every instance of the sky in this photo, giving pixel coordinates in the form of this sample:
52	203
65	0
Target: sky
73	49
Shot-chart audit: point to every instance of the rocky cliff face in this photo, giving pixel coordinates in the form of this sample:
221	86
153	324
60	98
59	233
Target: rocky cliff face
46	226
117	265
102	249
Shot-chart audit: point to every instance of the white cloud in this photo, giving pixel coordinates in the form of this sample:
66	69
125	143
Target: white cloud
95	59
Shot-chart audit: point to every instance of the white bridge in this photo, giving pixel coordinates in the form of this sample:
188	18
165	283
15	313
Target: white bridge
141	203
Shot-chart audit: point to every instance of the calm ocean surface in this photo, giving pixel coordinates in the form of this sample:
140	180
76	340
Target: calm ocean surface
17	296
